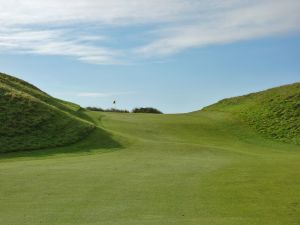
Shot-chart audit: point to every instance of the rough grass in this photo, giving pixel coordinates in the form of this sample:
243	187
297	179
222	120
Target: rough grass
275	113
31	119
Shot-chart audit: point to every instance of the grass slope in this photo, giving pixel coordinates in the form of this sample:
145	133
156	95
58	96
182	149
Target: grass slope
275	113
31	119
140	169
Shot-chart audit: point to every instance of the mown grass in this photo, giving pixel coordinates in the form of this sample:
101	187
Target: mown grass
275	113
189	169
31	119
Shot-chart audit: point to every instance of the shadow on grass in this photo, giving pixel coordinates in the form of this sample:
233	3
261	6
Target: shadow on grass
98	140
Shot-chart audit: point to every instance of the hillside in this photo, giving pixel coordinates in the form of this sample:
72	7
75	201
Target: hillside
31	119
275	113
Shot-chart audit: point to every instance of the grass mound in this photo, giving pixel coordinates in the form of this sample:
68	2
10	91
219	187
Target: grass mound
275	113
31	119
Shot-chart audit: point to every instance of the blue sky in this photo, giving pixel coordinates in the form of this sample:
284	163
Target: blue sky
175	55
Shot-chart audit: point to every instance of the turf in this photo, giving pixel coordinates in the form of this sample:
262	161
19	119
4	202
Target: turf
200	168
31	119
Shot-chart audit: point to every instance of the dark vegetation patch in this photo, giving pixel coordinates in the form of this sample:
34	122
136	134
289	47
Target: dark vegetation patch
135	110
146	110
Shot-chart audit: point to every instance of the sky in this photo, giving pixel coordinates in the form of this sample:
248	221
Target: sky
175	55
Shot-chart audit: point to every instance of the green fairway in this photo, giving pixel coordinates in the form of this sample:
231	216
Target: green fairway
200	168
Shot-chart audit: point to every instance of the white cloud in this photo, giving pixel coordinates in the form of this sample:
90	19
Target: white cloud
55	42
100	11
264	18
78	28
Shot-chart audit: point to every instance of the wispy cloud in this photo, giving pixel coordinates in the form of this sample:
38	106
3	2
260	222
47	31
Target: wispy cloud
54	27
242	22
55	42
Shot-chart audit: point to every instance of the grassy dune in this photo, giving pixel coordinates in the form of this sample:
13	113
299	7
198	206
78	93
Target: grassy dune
31	119
275	113
198	168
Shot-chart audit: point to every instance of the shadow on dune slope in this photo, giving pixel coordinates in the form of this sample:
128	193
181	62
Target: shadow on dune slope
98	140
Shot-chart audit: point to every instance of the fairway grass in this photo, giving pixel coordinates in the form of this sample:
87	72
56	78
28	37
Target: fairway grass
202	168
